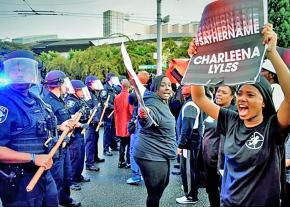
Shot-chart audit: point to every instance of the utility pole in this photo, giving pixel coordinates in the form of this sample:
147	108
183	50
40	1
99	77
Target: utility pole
159	39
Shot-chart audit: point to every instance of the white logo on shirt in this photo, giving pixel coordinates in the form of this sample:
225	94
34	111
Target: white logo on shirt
256	141
3	114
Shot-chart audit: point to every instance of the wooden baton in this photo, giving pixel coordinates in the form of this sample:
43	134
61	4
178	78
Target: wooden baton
41	170
103	112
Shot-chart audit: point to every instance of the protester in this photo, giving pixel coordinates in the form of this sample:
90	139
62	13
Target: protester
253	136
269	73
189	132
122	114
133	127
212	149
155	145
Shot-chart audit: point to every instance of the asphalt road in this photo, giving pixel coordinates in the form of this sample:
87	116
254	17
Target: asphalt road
108	188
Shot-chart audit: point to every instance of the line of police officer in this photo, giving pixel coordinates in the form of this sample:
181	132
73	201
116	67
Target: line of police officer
29	126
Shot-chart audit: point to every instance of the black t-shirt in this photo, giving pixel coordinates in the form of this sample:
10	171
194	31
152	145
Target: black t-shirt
252	161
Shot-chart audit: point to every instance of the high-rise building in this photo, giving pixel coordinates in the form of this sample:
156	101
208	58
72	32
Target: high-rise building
118	23
113	22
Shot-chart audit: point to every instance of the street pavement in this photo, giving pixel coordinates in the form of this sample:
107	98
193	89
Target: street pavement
108	188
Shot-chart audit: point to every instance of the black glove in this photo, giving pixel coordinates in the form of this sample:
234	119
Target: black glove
84	126
66	139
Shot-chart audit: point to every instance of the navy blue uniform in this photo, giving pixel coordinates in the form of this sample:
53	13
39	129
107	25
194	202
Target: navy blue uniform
24	128
61	169
91	136
109	126
77	144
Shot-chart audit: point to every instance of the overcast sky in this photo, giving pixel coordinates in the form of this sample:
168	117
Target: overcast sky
83	18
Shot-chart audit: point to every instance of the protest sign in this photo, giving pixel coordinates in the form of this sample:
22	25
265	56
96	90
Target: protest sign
139	89
229	43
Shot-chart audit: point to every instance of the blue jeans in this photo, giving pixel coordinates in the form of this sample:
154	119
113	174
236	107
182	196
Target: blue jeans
136	173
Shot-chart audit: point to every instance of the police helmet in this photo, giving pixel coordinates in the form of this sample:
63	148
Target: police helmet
54	78
20	67
109	76
77	84
90	78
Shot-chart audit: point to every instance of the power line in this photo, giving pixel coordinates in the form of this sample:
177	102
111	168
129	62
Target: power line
29	6
132	18
51	4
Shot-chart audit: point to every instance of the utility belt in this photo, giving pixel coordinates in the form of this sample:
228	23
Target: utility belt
10	173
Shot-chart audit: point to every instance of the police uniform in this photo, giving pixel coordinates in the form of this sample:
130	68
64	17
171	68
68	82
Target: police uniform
109	126
61	169
24	128
77	144
91	136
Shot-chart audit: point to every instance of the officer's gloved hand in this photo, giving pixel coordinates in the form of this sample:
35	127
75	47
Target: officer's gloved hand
84	126
66	139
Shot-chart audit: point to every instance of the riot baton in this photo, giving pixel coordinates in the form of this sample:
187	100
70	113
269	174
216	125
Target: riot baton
72	131
41	170
103	112
110	114
91	118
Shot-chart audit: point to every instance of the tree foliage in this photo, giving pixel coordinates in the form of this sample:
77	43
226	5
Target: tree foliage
107	58
279	16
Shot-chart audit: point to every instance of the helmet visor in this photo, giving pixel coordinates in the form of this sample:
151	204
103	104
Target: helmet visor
97	85
86	94
21	70
115	80
69	88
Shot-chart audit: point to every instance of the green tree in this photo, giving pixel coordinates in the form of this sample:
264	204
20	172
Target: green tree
279	16
6	47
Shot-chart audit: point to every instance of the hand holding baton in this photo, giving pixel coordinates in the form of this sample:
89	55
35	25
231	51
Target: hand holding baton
90	119
41	170
64	143
103	112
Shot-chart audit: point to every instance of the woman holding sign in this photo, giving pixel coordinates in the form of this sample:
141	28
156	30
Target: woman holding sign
254	135
156	146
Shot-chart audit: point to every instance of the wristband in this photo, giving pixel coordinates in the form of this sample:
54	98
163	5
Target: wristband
33	158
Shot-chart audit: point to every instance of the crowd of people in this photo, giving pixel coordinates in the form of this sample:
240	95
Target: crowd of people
236	136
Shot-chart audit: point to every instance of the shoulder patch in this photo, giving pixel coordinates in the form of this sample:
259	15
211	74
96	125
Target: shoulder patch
70	103
3	114
103	93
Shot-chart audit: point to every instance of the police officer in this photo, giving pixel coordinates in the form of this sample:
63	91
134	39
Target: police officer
61	170
24	129
112	89
77	145
91	135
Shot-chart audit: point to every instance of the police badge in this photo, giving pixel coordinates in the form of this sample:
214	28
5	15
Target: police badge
3	114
